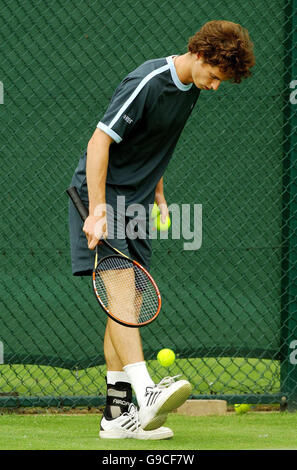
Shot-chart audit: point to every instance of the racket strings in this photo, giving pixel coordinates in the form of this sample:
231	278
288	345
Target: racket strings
125	290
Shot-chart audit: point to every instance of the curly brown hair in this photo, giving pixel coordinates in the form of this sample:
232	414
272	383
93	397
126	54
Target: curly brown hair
226	45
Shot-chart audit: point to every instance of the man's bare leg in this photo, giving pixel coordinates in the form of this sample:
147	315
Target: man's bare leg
122	345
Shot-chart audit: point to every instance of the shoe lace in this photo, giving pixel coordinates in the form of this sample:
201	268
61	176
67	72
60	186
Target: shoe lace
167	381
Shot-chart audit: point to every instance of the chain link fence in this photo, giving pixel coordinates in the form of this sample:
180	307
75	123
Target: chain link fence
234	330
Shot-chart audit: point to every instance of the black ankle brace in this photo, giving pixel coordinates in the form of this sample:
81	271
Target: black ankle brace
118	399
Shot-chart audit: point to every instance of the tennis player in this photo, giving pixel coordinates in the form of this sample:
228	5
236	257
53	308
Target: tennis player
127	155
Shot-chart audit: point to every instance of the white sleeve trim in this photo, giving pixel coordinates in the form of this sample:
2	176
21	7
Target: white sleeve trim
110	132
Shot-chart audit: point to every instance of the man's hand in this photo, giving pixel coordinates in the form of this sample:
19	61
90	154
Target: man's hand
162	204
95	228
164	212
161	201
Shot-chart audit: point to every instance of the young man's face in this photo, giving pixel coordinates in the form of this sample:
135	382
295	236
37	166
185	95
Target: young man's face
205	76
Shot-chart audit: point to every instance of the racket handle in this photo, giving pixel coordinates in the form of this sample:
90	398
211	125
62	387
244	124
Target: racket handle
75	198
83	212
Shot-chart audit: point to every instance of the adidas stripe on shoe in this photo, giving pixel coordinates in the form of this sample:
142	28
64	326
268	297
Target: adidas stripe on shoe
160	400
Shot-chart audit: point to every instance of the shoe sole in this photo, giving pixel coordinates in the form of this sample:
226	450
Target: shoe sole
118	435
173	402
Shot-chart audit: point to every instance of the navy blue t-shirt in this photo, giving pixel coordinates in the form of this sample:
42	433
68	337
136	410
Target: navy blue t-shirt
145	118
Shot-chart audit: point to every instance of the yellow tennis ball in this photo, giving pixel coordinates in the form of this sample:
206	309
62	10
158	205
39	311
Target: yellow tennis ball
155	211
166	357
159	225
242	408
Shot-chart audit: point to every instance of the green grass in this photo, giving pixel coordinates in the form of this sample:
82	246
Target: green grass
254	430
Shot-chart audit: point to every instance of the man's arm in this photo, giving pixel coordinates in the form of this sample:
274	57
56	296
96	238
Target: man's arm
96	171
161	201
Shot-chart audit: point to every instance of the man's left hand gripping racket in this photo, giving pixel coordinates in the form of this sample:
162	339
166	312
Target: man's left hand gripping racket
124	289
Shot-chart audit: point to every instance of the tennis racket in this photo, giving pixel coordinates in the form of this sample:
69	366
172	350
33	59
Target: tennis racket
124	289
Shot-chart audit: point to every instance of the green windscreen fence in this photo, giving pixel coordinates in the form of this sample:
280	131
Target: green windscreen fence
229	307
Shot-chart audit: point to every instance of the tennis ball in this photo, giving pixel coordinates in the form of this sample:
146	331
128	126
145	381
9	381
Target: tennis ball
242	408
155	211
159	225
166	357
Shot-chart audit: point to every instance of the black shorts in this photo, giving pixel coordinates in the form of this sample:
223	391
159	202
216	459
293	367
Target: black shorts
139	248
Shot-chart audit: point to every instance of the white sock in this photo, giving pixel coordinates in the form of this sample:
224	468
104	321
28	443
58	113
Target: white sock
113	376
139	378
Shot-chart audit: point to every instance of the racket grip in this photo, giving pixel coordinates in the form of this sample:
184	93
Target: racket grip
75	198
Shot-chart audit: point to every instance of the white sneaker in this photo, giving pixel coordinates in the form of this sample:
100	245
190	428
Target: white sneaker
161	399
127	426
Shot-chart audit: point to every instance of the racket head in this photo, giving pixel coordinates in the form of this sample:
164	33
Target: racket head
126	291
